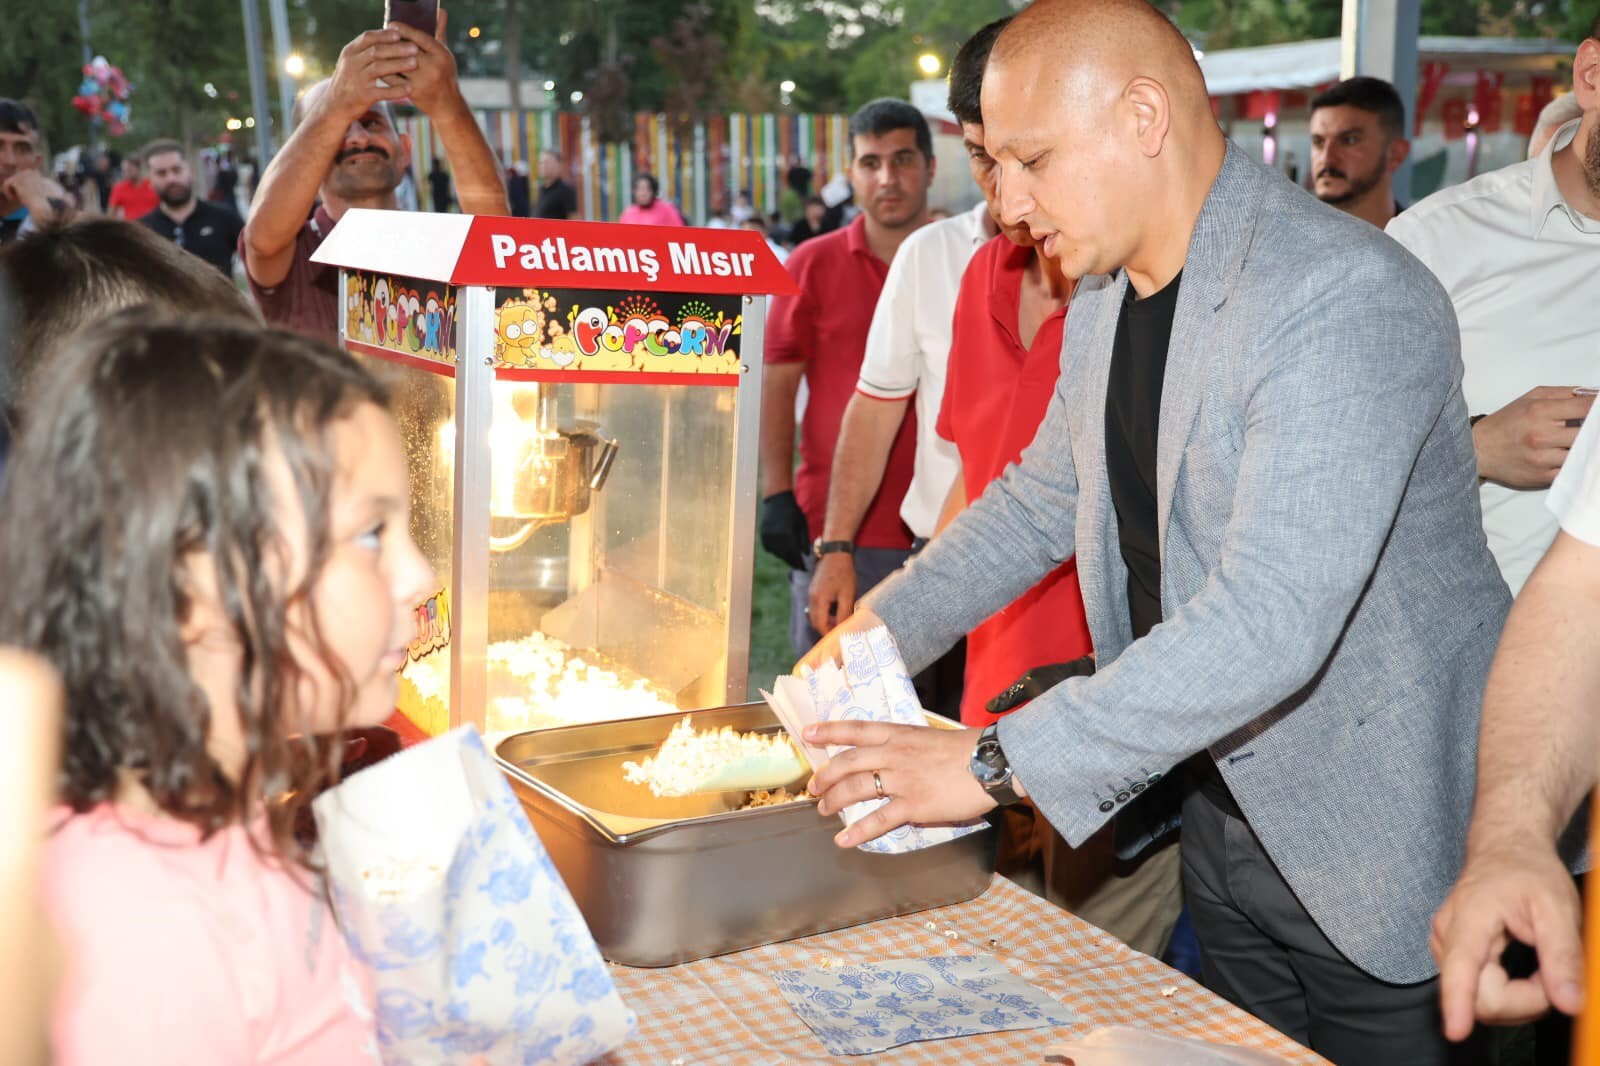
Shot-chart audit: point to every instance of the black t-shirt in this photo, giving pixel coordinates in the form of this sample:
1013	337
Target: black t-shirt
556	200
1133	414
211	231
1133	419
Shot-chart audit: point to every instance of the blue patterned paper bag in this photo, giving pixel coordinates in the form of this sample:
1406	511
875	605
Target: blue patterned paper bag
874	686
445	893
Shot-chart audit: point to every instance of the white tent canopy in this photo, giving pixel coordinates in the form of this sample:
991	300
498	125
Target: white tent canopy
1306	64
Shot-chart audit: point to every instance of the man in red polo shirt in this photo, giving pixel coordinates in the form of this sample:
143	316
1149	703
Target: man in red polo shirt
133	196
820	336
1005	357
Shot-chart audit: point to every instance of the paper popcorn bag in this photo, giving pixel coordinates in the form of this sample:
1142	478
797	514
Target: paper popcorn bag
873	686
444	892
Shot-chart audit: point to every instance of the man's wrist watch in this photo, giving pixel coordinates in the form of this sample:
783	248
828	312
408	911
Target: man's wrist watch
820	547
992	769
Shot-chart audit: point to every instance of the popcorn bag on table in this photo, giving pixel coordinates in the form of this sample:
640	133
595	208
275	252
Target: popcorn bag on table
443	890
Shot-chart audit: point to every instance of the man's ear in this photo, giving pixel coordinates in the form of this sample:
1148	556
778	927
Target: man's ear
405	145
1399	150
1586	74
1151	108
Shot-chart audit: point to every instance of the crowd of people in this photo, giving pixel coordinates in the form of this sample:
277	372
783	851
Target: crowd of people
1224	557
1252	534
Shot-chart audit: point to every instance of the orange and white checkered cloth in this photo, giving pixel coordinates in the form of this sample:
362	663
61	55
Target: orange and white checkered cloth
728	1010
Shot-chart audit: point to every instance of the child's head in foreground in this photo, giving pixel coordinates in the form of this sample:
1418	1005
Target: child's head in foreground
205	528
69	275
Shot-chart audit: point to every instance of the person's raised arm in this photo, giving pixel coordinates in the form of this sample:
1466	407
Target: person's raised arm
288	188
480	187
1536	761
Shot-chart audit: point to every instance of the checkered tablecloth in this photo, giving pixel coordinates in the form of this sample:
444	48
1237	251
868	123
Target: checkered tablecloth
728	1010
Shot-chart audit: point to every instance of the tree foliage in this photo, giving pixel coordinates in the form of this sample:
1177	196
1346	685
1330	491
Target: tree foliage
625	56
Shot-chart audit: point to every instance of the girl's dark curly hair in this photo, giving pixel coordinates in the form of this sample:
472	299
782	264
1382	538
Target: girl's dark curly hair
150	444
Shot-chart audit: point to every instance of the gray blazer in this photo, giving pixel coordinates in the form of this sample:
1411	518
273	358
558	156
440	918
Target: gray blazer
1329	602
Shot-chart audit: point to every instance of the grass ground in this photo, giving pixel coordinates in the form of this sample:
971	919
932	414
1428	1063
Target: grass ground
770	653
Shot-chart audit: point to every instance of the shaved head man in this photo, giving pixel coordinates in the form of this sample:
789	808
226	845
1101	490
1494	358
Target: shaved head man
1259	452
1114	176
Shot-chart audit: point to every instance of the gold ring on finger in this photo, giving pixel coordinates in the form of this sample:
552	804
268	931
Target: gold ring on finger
877	784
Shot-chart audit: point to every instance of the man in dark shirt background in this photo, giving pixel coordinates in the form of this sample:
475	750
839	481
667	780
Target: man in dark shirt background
439	190
517	197
223	189
557	199
206	229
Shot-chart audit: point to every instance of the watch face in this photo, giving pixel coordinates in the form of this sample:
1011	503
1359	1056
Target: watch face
989	763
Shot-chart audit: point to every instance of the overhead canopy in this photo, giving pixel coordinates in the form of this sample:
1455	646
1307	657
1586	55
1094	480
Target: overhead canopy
1307	64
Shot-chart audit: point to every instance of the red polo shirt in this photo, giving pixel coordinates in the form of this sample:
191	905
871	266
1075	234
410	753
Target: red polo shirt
825	327
136	198
995	395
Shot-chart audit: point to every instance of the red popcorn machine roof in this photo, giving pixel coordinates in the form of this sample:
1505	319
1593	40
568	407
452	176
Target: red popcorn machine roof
514	252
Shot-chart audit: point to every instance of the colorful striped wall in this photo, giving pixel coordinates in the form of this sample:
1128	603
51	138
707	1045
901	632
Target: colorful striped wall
697	163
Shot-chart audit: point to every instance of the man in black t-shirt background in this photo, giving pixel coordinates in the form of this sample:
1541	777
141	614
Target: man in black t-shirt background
557	199
439	187
204	228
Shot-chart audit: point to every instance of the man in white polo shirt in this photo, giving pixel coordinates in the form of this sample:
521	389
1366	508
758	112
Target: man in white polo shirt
908	348
1511	248
1537	762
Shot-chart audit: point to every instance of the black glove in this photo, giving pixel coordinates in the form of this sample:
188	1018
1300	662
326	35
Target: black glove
1037	682
784	532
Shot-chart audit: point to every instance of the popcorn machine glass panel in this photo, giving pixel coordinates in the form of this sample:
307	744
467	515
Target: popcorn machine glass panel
580	408
608	572
424	407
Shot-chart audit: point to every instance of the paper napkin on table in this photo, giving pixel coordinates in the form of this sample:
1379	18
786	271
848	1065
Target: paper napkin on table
861	1010
872	686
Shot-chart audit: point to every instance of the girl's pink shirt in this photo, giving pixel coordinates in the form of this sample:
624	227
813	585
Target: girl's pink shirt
179	951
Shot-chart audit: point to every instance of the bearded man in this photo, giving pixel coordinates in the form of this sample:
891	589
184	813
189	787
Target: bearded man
1508	246
1358	141
347	152
200	227
1511	248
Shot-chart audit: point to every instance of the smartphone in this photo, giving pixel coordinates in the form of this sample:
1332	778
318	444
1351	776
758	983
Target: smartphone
421	14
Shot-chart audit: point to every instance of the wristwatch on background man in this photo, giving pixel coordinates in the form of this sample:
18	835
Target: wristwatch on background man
820	547
993	770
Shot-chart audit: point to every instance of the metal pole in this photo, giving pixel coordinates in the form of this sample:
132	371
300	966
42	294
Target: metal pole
1380	41
88	57
280	48
258	83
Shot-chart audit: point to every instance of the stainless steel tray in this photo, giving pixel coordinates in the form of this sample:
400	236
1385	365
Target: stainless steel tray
664	881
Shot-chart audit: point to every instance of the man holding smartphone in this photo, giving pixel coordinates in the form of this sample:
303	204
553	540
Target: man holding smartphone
346	152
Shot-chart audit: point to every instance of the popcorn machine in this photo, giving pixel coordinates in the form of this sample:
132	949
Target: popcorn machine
579	403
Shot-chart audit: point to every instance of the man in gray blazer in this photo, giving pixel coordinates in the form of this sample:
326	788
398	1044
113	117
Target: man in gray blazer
1259	451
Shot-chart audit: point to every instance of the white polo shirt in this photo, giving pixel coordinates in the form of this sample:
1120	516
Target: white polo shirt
1517	261
908	348
1575	497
